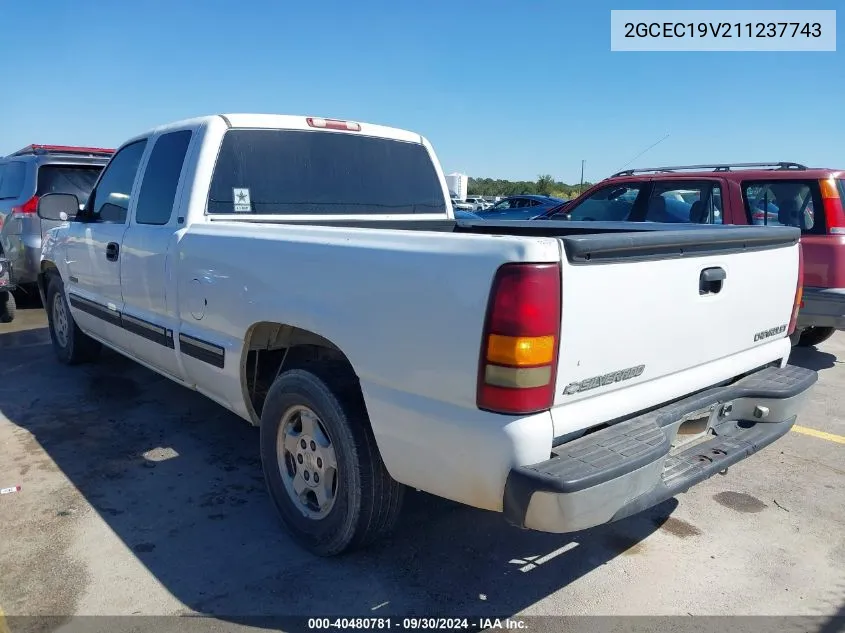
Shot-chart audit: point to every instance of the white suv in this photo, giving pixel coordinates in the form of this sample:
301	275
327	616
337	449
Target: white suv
478	203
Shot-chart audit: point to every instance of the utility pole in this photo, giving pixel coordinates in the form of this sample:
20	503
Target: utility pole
581	186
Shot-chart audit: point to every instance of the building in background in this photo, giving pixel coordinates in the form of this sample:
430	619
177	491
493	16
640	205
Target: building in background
457	185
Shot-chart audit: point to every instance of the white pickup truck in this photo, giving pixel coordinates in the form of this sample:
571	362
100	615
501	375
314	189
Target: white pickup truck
308	275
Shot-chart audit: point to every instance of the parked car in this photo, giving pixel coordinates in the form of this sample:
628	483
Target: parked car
523	207
513	387
478	203
761	194
460	205
27	175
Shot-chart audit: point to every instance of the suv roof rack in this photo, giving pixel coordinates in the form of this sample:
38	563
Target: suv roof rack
717	167
62	149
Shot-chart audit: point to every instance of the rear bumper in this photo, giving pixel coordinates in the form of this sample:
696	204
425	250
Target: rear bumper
823	307
24	252
630	466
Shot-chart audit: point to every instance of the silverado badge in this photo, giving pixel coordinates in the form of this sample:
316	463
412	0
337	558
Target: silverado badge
606	379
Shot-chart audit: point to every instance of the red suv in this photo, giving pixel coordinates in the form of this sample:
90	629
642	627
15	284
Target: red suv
773	194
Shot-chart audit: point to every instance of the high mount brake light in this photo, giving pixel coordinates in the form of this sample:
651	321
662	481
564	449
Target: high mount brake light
333	124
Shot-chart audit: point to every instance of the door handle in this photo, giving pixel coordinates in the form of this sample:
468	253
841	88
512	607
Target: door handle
711	279
112	251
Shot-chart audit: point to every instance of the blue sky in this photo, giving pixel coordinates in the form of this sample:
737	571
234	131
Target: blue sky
502	89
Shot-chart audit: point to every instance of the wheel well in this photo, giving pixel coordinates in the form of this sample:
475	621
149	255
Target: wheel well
48	269
270	348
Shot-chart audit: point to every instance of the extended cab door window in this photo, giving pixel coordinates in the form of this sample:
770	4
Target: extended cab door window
161	178
109	202
685	201
785	203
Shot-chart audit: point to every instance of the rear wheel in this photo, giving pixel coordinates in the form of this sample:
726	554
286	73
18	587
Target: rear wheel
322	466
813	336
71	345
8	307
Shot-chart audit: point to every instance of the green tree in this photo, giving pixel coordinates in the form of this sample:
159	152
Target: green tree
545	184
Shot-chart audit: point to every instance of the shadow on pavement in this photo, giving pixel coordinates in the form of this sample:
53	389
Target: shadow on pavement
179	480
812	358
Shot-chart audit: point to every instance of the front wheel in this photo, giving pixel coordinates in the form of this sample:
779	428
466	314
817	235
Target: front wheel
813	336
71	345
322	466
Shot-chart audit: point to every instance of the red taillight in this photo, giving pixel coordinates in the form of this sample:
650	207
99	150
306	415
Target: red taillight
834	215
30	206
519	347
333	124
799	291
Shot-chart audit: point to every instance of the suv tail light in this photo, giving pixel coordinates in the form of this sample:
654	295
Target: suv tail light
834	215
799	291
519	347
28	207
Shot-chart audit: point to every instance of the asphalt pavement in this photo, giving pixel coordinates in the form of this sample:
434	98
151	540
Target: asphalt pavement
140	497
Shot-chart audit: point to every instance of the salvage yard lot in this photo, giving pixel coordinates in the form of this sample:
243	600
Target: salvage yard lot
138	496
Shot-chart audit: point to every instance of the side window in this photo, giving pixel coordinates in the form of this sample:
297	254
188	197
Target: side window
503	205
784	203
109	202
12	179
161	177
612	203
686	202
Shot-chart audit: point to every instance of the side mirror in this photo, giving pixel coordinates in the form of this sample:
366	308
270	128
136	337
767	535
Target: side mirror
59	207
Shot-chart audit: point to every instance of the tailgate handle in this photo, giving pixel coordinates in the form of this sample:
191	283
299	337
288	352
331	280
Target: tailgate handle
710	281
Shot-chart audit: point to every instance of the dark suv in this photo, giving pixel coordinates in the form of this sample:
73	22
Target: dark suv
771	194
24	177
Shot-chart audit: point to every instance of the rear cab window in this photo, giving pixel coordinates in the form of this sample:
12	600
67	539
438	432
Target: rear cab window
785	203
60	178
294	172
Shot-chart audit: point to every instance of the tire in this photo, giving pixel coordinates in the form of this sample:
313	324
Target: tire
366	499
8	307
813	336
70	344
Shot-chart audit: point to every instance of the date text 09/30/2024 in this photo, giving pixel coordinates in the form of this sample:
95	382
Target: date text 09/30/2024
416	623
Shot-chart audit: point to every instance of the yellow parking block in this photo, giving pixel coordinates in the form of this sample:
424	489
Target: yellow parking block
4	628
822	435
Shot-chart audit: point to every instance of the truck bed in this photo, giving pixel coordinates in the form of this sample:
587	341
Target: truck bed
587	241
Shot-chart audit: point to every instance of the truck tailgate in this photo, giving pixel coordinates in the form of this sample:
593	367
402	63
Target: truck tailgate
648	306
